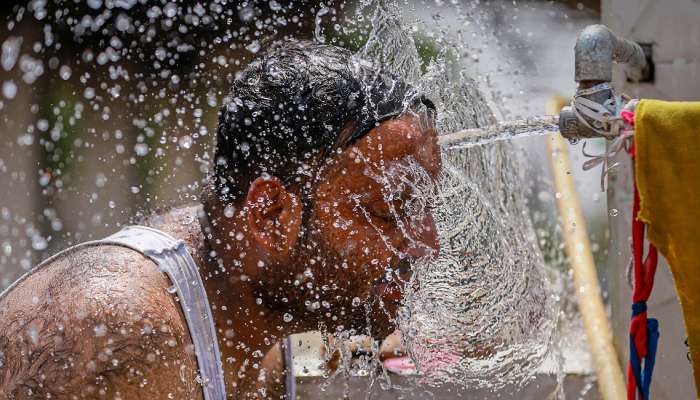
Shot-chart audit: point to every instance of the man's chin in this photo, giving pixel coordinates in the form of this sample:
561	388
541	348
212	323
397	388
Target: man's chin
380	331
385	306
374	316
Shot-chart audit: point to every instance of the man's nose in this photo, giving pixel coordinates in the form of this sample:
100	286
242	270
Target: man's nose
424	239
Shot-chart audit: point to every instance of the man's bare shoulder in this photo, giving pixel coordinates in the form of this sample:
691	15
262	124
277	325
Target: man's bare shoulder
97	320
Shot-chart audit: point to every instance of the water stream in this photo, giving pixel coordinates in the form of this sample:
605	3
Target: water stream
506	130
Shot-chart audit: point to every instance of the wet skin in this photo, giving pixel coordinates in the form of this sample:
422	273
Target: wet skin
99	322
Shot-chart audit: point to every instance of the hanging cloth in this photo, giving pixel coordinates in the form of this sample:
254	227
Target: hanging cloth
667	174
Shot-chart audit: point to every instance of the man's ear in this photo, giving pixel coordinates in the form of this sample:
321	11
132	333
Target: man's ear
274	216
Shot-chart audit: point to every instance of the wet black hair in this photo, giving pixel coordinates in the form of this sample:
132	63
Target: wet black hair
288	108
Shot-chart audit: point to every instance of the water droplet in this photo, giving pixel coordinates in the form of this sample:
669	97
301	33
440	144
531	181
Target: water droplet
229	212
613	212
100	330
317	30
274	6
123	23
170	10
33	334
9	89
7	249
253	47
246	13
10	52
287	317
141	149
65	72
39	243
94	4
100	180
89	93
185	142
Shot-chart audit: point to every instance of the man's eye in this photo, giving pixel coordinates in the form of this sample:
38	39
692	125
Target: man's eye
389	211
382	210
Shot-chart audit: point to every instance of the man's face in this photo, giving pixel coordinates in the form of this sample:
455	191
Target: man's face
364	228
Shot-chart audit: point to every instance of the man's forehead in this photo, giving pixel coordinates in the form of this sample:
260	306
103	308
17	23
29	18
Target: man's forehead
398	140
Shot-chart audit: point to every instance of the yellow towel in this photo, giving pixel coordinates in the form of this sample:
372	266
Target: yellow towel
667	142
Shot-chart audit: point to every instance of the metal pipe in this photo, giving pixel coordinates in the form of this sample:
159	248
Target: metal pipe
597	47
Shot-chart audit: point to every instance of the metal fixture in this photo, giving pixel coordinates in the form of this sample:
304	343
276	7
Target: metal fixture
597	47
594	110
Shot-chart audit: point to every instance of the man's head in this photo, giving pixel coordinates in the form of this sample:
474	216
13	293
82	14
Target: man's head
319	155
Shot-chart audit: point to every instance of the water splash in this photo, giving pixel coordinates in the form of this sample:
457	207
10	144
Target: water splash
479	315
390	45
482	314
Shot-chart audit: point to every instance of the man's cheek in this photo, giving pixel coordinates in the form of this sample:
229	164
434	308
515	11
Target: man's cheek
347	243
352	241
363	252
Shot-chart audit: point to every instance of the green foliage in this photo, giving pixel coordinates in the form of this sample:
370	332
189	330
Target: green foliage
61	130
428	50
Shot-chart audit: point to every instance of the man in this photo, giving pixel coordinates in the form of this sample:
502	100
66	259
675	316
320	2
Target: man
304	222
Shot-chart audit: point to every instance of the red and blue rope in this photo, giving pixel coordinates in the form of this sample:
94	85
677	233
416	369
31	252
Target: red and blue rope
644	332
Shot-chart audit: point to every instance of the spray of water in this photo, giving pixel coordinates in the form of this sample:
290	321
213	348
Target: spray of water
507	130
482	312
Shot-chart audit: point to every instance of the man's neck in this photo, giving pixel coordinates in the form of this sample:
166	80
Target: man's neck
246	328
244	334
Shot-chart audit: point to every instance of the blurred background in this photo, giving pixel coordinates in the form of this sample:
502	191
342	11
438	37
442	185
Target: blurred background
108	111
109	108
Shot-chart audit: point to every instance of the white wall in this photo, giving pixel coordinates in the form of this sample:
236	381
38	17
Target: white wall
673	26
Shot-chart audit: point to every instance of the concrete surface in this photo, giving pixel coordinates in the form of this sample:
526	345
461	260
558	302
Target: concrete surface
542	387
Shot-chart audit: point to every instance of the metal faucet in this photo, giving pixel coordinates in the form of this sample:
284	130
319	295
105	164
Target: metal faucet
597	47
